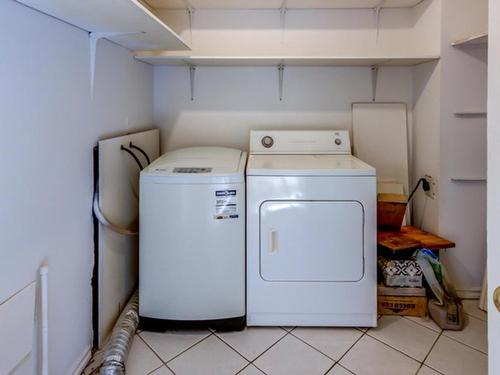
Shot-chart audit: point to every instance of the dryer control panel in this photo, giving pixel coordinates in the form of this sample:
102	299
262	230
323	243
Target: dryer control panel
334	142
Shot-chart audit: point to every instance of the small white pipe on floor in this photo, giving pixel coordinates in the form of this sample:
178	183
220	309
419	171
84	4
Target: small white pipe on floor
44	270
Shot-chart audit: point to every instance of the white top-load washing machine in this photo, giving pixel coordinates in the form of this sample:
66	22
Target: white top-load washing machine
192	239
311	231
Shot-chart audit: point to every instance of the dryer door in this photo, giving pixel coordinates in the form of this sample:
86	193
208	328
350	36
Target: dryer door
312	241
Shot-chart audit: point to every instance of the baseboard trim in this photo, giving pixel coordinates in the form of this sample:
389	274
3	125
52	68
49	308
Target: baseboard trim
473	293
81	362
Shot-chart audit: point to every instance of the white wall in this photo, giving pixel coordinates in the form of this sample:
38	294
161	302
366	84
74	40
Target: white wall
426	141
493	183
229	101
462	212
49	126
446	146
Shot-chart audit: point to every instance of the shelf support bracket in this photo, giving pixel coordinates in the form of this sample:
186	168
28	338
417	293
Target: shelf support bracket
94	38
374	69
283	11
190	10
377	11
281	69
192	71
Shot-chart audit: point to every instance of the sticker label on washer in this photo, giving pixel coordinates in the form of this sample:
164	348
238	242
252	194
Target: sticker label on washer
225	193
226	206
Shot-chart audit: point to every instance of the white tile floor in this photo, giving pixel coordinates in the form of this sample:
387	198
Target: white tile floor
397	346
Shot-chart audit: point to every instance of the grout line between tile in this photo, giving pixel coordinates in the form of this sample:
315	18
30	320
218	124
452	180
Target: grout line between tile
429	353
421	325
184	351
348	350
392	347
233	349
319	351
475	317
346	369
249	360
467	345
170	368
171	359
433	369
150	348
149	373
330	368
239	372
265	351
469	314
415	359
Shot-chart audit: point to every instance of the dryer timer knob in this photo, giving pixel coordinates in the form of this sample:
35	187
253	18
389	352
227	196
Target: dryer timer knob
267	142
338	141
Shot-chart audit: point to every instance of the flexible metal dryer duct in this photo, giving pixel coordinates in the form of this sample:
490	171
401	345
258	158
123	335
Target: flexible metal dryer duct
111	359
116	351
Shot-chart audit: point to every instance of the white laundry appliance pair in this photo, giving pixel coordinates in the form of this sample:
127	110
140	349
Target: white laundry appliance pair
310	235
311	231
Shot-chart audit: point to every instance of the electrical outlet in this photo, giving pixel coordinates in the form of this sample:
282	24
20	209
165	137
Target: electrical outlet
432	193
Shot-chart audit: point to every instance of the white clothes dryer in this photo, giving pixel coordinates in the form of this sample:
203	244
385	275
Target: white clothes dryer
311	231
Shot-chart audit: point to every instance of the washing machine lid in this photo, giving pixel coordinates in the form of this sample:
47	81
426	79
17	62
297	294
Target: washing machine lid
199	165
307	165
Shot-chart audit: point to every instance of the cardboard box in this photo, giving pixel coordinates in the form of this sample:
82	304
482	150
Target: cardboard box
401	292
391	209
402	305
401	273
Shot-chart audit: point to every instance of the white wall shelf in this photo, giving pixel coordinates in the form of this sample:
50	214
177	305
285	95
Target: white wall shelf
128	22
471	114
165	58
278	4
468	179
480	40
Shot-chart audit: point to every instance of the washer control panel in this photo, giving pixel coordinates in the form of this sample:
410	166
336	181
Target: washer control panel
192	170
300	142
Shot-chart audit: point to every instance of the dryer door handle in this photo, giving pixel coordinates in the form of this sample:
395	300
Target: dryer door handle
273	241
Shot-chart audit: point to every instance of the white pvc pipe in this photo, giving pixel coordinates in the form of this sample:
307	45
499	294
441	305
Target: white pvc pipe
44	270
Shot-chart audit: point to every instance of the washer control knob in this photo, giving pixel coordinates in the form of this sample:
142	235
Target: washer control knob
267	142
338	141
